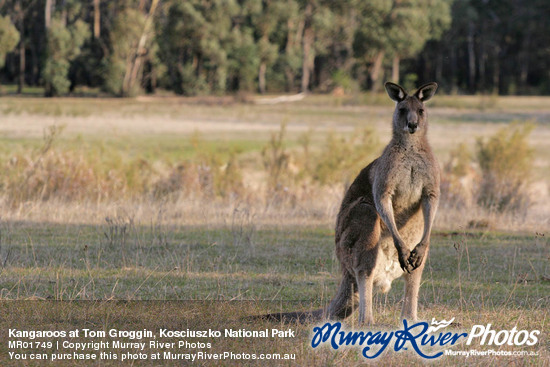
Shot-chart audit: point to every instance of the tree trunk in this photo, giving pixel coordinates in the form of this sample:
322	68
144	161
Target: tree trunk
293	38
48	13
439	67
141	5
64	17
261	77
307	67
289	74
21	78
307	49
471	58
350	29
21	67
97	20
496	71
376	70
134	63
524	72
453	69
482	59
523	59
395	70
47	22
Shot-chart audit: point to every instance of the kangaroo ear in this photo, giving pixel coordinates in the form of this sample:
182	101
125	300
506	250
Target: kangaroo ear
426	91
395	92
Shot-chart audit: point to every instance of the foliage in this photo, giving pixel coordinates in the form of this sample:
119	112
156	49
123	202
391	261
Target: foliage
9	37
243	59
496	176
459	160
193	47
342	79
71	175
458	178
342	157
125	36
197	63
410	82
49	173
505	160
414	22
63	45
209	174
276	161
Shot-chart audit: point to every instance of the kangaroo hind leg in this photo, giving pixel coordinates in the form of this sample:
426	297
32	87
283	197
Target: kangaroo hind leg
342	304
365	283
412	286
363	233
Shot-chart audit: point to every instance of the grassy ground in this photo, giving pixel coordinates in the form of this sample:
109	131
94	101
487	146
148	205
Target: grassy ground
478	278
225	252
171	121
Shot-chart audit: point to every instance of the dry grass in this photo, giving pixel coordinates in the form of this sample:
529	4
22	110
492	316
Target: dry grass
122	152
161	230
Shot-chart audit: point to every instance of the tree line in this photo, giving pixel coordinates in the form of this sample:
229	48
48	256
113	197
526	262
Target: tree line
196	47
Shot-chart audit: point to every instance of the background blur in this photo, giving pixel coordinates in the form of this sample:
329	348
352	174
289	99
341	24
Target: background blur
201	47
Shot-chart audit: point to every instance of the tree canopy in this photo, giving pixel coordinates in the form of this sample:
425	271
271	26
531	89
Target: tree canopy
197	47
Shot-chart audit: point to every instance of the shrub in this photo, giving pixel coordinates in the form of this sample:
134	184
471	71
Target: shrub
208	173
275	159
342	157
72	176
181	179
51	173
459	178
341	78
209	178
505	163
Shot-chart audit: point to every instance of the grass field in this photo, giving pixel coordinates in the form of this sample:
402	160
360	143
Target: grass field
247	254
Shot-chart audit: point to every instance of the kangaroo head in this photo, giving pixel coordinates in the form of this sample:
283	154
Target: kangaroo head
409	115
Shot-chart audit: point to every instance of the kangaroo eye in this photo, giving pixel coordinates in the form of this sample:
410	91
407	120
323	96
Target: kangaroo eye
421	112
402	110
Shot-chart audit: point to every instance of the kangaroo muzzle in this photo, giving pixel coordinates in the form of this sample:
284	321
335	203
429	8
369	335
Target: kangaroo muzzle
412	126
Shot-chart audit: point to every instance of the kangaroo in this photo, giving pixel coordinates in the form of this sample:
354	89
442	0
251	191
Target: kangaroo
385	220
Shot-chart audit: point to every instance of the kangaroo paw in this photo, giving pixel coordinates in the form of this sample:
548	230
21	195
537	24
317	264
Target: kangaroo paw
404	257
416	256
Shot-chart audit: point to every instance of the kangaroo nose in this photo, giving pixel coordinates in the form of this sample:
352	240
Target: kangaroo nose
413	126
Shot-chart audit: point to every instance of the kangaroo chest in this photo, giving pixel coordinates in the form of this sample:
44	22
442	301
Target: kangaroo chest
407	181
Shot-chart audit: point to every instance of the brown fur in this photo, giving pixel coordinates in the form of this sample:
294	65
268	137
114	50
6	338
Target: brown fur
385	220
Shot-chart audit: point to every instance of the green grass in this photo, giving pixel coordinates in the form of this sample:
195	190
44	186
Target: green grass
165	148
288	264
496	278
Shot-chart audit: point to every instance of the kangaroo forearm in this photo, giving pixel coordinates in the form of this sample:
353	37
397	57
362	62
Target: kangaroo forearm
385	210
429	208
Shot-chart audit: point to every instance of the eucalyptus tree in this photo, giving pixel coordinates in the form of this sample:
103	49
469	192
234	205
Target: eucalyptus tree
9	38
65	35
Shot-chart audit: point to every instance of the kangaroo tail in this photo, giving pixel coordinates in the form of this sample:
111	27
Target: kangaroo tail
301	317
344	302
340	307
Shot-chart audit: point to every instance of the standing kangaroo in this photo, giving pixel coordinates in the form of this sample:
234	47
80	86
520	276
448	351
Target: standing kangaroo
385	220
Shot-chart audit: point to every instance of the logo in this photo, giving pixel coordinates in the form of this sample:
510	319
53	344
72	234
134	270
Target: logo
421	337
508	337
439	325
374	343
